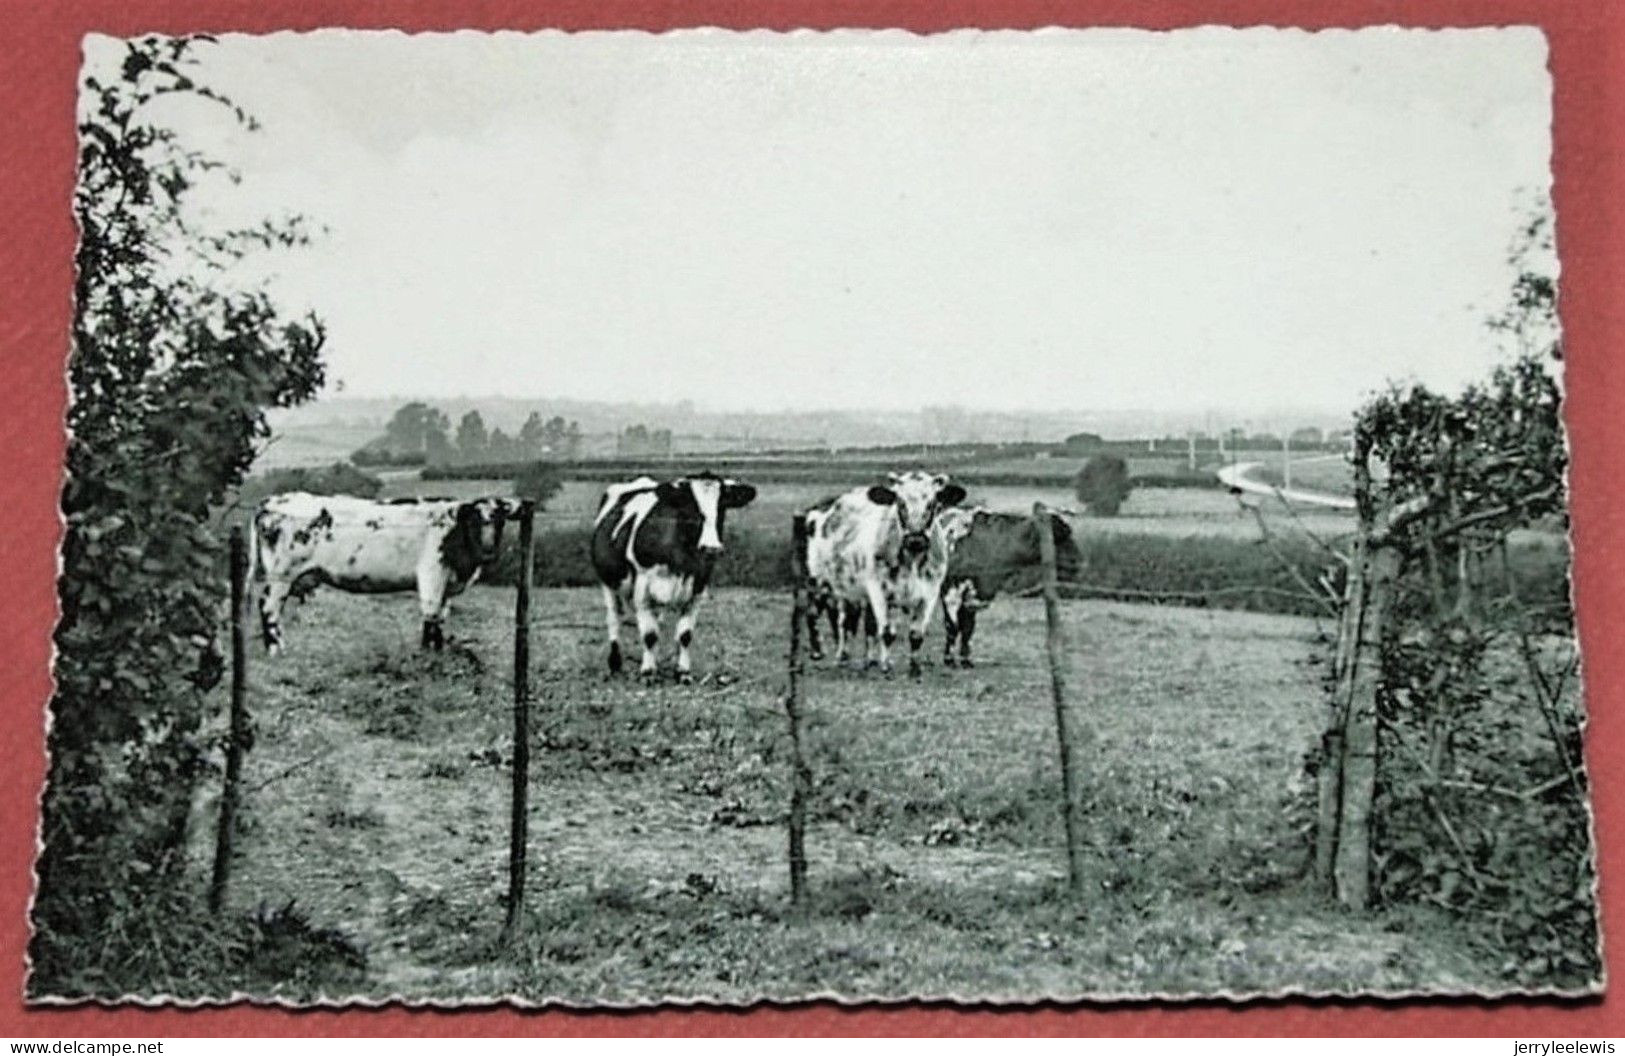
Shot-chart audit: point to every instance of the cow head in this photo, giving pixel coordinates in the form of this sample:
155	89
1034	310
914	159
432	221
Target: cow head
706	497
475	538
917	497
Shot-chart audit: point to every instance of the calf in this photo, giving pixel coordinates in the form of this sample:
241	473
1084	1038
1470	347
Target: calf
434	546
884	548
654	546
991	552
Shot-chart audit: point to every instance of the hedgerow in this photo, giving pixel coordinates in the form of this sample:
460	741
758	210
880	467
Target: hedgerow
1205	571
170	379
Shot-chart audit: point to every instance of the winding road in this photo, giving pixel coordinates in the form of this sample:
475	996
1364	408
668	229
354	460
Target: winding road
1236	476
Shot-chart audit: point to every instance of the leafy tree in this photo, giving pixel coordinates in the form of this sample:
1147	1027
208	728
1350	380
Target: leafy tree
1530	314
171	372
472	440
1102	485
437	447
417	427
531	434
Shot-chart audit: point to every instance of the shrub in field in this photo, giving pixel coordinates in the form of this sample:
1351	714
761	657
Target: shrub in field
1103	484
538	482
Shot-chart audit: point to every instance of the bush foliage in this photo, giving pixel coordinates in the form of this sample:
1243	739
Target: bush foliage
1481	797
170	378
1482	801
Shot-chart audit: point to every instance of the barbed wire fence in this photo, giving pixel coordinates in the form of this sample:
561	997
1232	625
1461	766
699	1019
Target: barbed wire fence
862	759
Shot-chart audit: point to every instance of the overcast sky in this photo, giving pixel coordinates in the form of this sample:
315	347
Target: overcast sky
1095	219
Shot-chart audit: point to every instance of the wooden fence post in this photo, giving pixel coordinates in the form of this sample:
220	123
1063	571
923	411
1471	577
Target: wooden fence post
238	737
1055	644
1329	781
519	819
1351	872
800	775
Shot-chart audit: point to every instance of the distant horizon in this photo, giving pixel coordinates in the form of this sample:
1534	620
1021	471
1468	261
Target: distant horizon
694	418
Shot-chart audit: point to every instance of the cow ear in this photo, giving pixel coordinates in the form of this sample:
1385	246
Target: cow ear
951	495
882	496
735	494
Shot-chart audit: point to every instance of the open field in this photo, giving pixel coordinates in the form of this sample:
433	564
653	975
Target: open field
377	796
1156	511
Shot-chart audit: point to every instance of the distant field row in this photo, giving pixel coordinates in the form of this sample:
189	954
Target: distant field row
1145	471
1153	511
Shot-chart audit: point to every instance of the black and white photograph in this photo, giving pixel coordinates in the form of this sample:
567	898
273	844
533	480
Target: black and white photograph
615	519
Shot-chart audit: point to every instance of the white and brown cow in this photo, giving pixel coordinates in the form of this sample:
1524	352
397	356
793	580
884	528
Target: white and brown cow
654	547
436	547
991	552
880	551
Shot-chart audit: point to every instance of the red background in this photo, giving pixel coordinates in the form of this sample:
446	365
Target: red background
39	59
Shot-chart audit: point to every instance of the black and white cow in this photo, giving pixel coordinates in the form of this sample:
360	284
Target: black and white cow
878	551
654	546
434	546
991	552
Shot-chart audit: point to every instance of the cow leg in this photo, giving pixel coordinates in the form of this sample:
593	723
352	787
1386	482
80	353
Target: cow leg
685	635
848	613
433	594
273	596
967	627
648	627
919	622
612	621
880	611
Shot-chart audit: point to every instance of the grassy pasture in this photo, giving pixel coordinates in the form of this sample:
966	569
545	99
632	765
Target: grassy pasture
379	796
